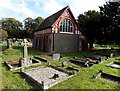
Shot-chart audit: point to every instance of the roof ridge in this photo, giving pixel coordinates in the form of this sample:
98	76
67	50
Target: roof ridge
49	21
58	11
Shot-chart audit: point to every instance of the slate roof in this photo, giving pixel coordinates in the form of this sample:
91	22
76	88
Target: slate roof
49	21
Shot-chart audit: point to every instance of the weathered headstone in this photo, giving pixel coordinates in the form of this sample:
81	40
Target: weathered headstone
26	61
25	43
65	63
118	58
111	55
9	43
56	56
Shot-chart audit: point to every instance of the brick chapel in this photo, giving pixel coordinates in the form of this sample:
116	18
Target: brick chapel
60	32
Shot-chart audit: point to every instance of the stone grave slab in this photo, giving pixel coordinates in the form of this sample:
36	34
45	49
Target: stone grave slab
108	76
107	55
97	57
87	59
117	58
82	64
71	68
46	77
114	65
49	57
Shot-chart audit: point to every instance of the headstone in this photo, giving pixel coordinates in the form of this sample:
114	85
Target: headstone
74	72
111	55
65	63
56	56
86	63
118	58
26	61
25	43
9	43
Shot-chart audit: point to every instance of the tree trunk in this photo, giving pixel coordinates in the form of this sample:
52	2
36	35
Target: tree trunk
91	45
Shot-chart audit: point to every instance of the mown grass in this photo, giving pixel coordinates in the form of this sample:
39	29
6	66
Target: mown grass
82	80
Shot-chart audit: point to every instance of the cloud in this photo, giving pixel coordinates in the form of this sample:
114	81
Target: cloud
19	9
77	6
48	7
51	6
81	6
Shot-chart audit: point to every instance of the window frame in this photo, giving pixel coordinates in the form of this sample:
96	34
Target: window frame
67	26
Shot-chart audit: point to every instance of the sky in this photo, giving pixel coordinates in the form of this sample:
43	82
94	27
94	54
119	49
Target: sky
21	9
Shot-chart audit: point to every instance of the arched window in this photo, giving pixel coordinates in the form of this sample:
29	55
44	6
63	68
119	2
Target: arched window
66	26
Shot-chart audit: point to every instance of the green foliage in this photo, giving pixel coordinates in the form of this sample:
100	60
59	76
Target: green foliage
31	25
37	22
103	27
12	26
111	21
15	28
89	22
3	34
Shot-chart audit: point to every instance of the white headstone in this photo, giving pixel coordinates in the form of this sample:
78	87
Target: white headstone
56	56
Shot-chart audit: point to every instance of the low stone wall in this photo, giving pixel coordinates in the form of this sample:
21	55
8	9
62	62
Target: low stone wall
38	57
108	76
10	67
35	74
71	68
19	65
114	65
69	73
31	79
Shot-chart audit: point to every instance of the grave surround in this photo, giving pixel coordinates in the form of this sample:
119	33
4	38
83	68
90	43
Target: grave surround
42	76
24	61
49	57
108	76
114	65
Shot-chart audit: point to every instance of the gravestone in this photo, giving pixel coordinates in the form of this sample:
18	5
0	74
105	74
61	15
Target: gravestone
26	61
56	56
117	58
111	55
65	63
9	43
25	43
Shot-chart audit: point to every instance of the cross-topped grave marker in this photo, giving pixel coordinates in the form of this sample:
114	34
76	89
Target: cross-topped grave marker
26	61
25	43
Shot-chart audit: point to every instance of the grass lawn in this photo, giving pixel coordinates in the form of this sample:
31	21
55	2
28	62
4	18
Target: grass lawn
82	80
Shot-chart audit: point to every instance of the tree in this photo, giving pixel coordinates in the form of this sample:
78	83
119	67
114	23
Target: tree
37	22
111	11
12	26
89	22
3	35
15	28
30	25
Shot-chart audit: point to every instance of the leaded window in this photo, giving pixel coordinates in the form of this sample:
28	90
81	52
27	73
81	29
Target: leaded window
66	26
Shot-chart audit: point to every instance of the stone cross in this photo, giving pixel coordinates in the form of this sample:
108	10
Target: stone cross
25	43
